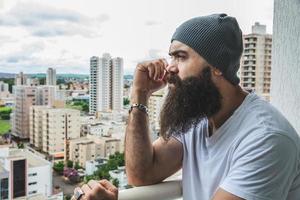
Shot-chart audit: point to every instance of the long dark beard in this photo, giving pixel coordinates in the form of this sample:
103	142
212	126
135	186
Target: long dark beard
188	102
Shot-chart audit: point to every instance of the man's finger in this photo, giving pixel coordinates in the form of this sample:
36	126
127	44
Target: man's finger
86	189
109	186
96	185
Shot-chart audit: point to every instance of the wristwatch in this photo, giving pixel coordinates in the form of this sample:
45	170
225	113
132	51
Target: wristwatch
139	106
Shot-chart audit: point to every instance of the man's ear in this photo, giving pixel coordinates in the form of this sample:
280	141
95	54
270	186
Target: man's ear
216	72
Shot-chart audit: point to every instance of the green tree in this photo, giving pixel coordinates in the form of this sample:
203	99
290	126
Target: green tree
115	182
69	163
126	101
5	113
112	164
88	178
59	167
85	107
77	166
67	197
20	145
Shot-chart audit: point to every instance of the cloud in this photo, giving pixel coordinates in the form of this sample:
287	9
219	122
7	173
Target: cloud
151	23
152	54
45	21
26	53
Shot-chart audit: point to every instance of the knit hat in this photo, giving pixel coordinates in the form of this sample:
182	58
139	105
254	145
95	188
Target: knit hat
218	39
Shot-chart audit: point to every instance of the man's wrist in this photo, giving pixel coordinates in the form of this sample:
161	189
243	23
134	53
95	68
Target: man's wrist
139	97
140	107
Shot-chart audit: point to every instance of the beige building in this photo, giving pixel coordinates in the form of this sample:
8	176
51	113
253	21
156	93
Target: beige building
52	128
155	104
89	148
25	97
255	71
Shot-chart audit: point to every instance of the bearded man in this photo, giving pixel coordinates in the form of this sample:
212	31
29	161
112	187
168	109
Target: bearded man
230	144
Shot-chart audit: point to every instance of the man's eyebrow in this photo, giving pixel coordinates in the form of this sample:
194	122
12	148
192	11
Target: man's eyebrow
173	53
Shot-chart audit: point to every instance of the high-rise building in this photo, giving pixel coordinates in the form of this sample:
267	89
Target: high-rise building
117	84
52	128
23	174
21	79
255	70
33	81
51	77
3	87
106	83
26	96
4	92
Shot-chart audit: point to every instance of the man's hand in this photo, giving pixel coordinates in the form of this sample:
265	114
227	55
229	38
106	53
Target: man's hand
148	78
102	190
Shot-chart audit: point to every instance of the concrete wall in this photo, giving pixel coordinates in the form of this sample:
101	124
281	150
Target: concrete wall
285	85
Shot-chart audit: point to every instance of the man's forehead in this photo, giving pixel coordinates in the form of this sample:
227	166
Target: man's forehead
177	45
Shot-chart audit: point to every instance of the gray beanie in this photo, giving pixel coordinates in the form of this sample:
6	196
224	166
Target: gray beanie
218	39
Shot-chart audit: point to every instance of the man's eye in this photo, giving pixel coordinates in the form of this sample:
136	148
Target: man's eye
181	57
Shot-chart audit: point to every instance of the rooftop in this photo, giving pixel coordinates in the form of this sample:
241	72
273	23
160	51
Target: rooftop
32	159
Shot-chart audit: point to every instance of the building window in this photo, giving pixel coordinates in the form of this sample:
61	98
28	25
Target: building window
32	183
19	178
4	188
32	192
32	174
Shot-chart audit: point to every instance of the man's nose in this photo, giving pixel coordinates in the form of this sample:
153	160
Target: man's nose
172	67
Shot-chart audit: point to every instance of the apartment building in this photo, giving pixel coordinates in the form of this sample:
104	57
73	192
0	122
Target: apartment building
106	83
52	128
89	148
255	70
25	97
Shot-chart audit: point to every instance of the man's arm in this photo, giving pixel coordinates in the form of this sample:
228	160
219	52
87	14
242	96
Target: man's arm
148	163
224	195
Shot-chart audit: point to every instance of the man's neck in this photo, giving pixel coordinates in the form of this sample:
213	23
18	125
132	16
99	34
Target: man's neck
231	100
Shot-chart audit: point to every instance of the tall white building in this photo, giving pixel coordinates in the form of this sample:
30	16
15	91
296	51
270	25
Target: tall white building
5	95
23	174
51	77
26	96
3	87
21	79
255	70
117	82
33	81
106	83
52	128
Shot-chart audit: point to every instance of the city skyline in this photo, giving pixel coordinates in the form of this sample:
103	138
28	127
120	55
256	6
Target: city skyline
65	34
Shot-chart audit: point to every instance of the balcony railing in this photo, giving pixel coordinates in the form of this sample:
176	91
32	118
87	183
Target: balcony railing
168	190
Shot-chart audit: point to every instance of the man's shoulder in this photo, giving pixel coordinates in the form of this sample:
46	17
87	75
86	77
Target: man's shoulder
264	117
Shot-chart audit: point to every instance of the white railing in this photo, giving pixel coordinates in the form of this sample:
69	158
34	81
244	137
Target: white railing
168	190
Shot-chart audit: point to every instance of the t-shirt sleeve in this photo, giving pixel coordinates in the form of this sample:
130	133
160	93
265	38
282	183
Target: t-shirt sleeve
263	168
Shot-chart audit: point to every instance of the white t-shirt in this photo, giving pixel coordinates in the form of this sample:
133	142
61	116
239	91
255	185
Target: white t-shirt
254	155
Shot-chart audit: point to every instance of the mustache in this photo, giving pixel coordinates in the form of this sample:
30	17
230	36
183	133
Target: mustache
174	79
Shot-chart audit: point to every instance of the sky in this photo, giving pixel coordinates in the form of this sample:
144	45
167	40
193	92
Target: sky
64	34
